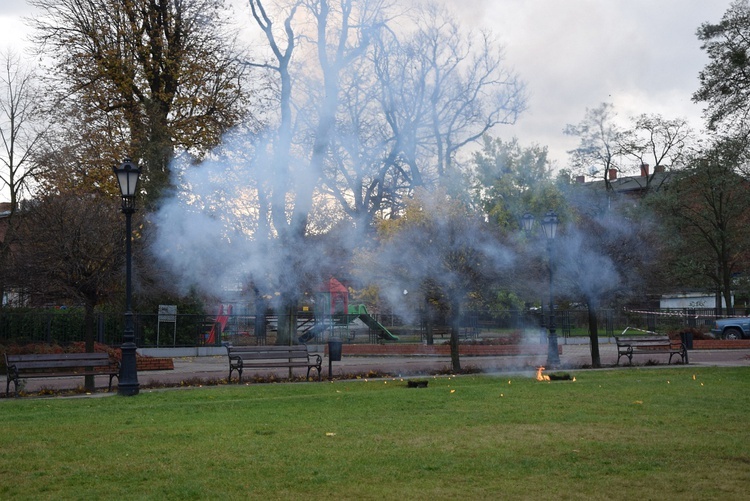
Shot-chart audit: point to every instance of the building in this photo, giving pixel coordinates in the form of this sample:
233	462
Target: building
690	300
630	186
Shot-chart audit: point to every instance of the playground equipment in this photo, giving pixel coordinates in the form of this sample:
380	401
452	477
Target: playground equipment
334	313
221	321
360	311
356	311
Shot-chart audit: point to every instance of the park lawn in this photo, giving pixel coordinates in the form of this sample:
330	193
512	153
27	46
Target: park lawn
635	433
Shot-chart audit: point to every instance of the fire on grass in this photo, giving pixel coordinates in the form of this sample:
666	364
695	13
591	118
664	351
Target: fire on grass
540	376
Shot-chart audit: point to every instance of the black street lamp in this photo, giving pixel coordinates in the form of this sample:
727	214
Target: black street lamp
549	227
127	177
527	222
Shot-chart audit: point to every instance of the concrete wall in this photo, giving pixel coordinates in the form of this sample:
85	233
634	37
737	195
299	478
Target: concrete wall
203	351
690	300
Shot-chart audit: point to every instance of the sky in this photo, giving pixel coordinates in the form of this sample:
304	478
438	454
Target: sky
640	55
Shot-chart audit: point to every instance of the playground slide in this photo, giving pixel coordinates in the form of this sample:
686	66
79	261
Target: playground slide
355	311
376	326
310	334
221	319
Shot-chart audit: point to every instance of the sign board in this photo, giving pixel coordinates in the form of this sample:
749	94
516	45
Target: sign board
167	313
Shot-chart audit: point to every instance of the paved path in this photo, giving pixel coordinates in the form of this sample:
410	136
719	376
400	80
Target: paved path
212	368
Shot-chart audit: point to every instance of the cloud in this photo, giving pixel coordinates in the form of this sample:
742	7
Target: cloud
642	56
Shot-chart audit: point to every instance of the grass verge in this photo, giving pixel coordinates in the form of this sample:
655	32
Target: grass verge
650	433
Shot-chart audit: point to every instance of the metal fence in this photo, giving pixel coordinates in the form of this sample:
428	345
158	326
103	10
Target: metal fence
64	327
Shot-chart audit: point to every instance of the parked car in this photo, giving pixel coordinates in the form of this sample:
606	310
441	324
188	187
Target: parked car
732	328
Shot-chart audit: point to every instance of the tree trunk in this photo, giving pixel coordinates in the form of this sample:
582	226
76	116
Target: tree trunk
428	321
726	289
455	323
89	322
259	328
287	325
596	361
157	152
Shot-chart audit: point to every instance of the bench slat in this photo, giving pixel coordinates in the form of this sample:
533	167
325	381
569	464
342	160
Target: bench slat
646	345
30	375
57	356
269	356
642	339
274	364
654	348
253	349
52	364
279	352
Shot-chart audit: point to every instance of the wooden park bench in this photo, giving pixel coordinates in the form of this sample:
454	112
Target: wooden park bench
628	346
59	365
269	357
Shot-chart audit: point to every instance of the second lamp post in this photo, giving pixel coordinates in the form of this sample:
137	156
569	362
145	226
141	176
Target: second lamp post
127	383
549	227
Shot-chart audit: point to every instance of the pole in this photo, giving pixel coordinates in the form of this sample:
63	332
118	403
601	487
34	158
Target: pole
553	357
128	380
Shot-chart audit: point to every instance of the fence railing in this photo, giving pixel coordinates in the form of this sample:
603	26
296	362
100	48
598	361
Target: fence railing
152	330
63	328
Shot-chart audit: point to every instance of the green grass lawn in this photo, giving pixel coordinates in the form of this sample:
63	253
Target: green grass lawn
642	433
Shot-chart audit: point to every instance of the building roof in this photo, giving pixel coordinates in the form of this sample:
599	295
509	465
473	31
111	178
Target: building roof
632	185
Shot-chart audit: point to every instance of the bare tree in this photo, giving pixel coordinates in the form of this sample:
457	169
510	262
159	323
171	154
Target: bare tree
70	251
649	139
470	91
342	136
458	257
658	142
598	150
299	146
422	96
21	132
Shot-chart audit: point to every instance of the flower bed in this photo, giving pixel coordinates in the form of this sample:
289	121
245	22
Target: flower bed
404	349
721	344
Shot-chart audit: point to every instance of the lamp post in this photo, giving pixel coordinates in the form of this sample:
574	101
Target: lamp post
127	176
549	228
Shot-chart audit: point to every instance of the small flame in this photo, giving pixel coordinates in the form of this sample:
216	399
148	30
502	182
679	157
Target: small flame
540	376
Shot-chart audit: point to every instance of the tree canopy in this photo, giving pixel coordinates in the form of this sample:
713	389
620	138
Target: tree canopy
166	70
706	205
442	252
724	81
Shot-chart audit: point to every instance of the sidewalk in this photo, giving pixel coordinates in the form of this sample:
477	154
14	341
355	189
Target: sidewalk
193	370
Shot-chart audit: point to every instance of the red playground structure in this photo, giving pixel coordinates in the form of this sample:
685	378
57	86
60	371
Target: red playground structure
221	320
